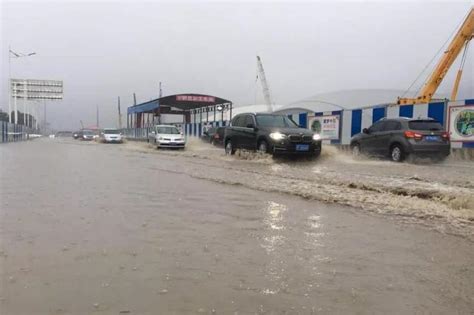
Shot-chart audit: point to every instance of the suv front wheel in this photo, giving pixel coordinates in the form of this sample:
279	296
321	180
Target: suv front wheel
229	148
262	147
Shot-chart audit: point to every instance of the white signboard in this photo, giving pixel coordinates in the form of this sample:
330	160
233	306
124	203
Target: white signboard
326	126
461	123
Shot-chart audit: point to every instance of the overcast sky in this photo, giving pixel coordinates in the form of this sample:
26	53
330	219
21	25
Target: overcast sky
107	49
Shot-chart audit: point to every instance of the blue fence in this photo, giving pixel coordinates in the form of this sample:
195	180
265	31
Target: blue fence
354	120
12	133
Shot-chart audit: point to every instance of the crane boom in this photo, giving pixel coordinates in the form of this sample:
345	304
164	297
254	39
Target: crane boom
266	89
464	34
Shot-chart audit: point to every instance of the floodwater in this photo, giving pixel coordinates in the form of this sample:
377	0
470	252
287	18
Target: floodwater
89	228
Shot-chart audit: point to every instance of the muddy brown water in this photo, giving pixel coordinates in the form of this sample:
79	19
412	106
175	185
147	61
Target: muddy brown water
108	229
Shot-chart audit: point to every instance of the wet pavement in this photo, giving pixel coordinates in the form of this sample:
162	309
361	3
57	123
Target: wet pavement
88	228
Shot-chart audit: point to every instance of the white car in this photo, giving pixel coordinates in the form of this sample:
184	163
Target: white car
111	135
167	136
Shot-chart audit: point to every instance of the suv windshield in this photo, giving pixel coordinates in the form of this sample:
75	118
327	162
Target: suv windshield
167	130
275	121
425	125
88	132
111	132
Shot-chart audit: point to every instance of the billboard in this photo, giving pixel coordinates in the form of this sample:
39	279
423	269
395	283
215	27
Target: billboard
37	89
461	123
327	126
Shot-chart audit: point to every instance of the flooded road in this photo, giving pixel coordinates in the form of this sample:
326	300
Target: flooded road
124	229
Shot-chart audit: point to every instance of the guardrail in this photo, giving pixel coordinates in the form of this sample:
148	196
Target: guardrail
13	133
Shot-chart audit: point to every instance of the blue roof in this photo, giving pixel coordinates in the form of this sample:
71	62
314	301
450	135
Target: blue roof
144	107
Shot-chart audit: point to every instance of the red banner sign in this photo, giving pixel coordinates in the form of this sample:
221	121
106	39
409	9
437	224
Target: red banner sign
196	98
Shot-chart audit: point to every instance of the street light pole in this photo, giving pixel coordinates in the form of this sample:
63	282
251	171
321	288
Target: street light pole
15	55
15	103
25	108
9	86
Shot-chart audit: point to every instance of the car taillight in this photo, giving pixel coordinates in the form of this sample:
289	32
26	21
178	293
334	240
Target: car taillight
413	135
445	136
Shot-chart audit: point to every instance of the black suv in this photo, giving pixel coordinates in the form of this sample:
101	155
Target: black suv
270	133
400	137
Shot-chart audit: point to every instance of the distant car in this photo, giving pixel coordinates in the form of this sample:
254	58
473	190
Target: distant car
111	135
270	133
398	138
167	136
208	134
63	134
88	135
218	136
77	135
214	135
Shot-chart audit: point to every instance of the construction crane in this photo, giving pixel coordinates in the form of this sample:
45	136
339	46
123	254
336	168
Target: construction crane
460	40
263	80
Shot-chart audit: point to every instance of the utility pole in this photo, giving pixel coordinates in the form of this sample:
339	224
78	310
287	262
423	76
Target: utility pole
134	116
97	117
44	114
161	92
119	114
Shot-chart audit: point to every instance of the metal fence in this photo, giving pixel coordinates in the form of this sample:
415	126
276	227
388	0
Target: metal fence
12	133
137	133
188	130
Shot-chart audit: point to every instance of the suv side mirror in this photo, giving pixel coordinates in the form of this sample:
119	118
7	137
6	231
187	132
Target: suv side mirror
366	131
251	126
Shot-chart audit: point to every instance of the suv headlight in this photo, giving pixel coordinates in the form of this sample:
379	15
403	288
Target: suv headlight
277	136
160	138
316	137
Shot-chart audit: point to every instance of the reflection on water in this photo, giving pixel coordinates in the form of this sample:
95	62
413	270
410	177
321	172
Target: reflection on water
275	215
274	224
314	241
273	242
